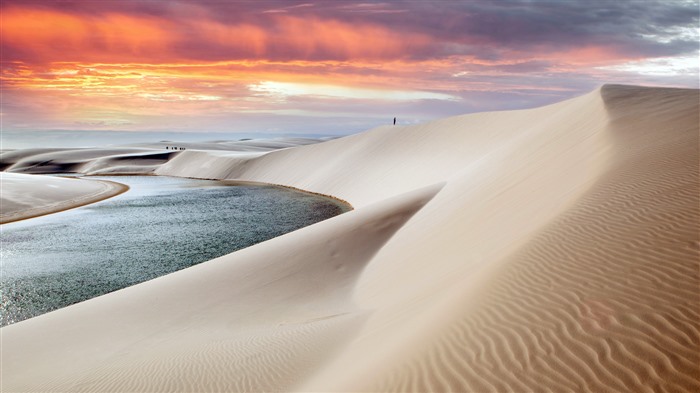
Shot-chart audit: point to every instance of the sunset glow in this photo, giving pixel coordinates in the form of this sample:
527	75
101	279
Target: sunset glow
282	65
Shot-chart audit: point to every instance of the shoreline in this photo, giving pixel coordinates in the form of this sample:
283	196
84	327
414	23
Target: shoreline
333	197
46	210
113	189
238	181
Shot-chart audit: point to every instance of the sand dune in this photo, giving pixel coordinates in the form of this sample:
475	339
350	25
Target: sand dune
24	196
60	161
548	249
139	159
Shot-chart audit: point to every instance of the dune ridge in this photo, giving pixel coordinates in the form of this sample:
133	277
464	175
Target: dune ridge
550	249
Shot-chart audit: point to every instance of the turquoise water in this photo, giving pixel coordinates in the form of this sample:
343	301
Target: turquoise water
159	226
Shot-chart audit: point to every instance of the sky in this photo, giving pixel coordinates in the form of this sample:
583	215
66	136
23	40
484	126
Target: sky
323	67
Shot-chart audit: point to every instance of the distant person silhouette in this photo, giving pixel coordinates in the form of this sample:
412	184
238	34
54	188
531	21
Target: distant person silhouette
394	121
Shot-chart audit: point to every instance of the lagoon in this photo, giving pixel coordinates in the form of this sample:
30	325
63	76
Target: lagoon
159	226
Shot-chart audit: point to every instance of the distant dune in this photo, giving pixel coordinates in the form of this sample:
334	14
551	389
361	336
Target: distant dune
550	249
138	159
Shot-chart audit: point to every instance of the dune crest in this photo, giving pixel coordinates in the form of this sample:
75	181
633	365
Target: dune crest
555	248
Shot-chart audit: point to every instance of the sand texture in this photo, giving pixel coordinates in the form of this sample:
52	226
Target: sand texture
551	249
24	196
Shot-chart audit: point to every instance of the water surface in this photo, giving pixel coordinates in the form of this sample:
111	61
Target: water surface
160	225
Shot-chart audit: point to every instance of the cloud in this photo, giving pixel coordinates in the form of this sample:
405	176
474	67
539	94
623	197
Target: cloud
207	30
44	35
134	64
285	89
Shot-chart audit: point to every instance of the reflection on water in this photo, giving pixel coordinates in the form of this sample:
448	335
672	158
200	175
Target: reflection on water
161	225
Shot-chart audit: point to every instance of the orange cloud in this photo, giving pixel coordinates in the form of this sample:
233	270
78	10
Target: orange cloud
242	38
333	39
36	34
43	35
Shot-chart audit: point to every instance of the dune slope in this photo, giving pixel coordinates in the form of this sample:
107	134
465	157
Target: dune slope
547	249
602	297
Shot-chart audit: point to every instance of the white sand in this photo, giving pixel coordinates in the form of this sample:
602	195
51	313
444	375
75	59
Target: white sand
547	249
25	196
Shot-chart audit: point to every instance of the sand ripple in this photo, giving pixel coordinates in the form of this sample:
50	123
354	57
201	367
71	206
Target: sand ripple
604	299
